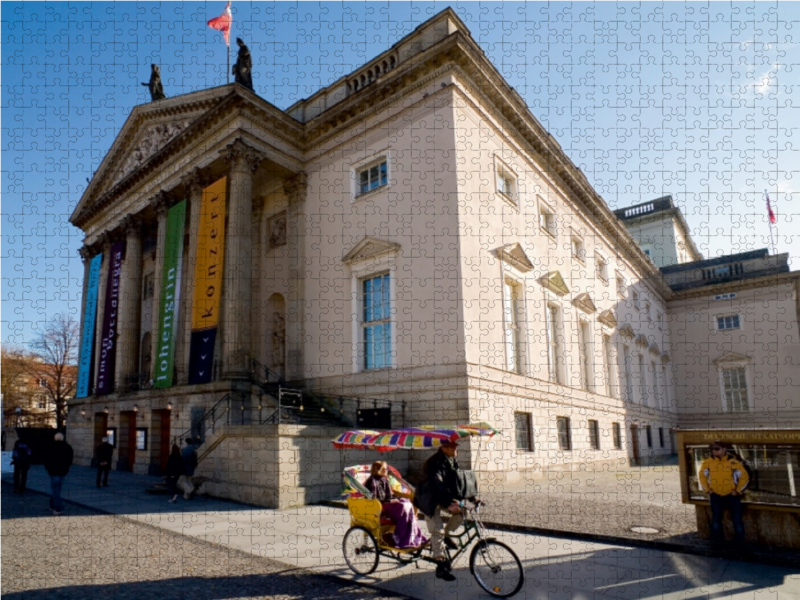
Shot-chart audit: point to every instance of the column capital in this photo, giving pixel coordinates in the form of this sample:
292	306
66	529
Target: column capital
161	202
295	188
241	157
86	253
104	240
131	225
195	180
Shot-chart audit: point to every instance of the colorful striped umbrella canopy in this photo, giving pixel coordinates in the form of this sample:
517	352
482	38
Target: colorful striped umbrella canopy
411	438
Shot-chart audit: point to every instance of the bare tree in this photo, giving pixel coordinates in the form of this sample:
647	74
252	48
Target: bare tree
15	382
55	370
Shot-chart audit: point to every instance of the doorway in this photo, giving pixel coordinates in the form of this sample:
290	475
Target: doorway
127	440
100	428
160	442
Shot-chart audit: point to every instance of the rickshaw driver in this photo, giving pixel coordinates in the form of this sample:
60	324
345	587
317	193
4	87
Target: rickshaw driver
438	491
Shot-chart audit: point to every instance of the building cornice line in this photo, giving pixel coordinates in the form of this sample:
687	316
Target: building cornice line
735	286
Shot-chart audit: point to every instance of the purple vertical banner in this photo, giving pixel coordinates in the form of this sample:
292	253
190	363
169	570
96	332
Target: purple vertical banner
108	343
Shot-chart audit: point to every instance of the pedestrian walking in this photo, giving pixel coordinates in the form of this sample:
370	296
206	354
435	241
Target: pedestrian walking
104	453
189	455
724	479
57	463
21	459
174	471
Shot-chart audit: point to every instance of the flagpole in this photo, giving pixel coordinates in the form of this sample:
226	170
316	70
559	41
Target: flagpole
769	218
229	62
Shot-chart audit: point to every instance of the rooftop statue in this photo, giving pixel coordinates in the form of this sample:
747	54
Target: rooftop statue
154	85
243	69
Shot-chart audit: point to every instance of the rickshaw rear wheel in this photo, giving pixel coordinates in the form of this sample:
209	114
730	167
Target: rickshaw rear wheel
360	550
496	568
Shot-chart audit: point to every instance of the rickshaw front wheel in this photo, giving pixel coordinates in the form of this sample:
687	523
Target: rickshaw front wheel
496	568
360	550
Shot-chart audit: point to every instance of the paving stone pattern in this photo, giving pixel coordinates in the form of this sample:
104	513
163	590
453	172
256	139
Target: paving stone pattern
84	555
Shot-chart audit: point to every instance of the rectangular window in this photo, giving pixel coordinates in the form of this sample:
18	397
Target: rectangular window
594	435
616	434
656	384
608	363
547	220
648	311
506	183
635	299
522	427
734	389
643	381
578	251
512	305
648	430
553	345
728	322
626	356
564	434
661	437
585	344
660	320
372	178
377	323
601	265
620	286
665	382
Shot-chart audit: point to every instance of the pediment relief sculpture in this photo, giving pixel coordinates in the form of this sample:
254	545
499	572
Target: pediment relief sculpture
151	140
584	302
608	318
370	248
732	357
514	255
554	282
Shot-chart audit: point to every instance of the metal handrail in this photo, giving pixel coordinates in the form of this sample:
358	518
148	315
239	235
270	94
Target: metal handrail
211	416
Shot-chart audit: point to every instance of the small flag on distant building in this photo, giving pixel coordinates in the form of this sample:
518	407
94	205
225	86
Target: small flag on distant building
769	209
223	23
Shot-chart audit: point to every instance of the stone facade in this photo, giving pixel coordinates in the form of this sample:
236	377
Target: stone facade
410	233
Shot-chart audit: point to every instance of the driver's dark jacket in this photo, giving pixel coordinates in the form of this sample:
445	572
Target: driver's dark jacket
439	484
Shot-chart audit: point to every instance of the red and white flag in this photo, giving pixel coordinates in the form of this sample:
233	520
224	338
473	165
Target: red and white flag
223	23
771	214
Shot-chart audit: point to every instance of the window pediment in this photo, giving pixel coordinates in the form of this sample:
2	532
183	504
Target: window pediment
608	318
654	349
370	248
627	331
641	340
584	302
554	282
732	358
514	255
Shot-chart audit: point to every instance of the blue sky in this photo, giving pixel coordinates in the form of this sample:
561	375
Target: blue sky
689	99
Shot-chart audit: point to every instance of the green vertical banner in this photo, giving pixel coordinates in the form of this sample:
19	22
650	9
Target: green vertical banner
170	296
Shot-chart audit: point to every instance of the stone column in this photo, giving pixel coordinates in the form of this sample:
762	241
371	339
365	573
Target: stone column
296	190
193	184
105	244
236	293
86	255
130	301
161	204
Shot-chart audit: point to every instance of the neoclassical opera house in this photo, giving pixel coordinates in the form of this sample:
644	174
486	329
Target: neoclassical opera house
407	246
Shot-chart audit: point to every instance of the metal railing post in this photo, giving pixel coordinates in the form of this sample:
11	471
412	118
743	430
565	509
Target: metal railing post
280	394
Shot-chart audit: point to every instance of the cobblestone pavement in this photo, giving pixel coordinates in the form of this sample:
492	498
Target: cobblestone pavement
607	503
86	555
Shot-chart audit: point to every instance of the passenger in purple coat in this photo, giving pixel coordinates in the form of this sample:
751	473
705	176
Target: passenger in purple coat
407	533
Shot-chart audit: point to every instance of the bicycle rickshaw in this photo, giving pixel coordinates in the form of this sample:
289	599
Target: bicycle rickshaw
495	566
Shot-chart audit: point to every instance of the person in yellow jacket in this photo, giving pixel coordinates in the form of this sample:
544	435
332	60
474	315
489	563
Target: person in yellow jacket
724	479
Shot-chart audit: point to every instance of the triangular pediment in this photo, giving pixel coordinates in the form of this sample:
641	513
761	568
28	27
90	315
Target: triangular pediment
641	340
584	302
732	357
608	318
654	349
148	129
514	255
554	282
370	248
